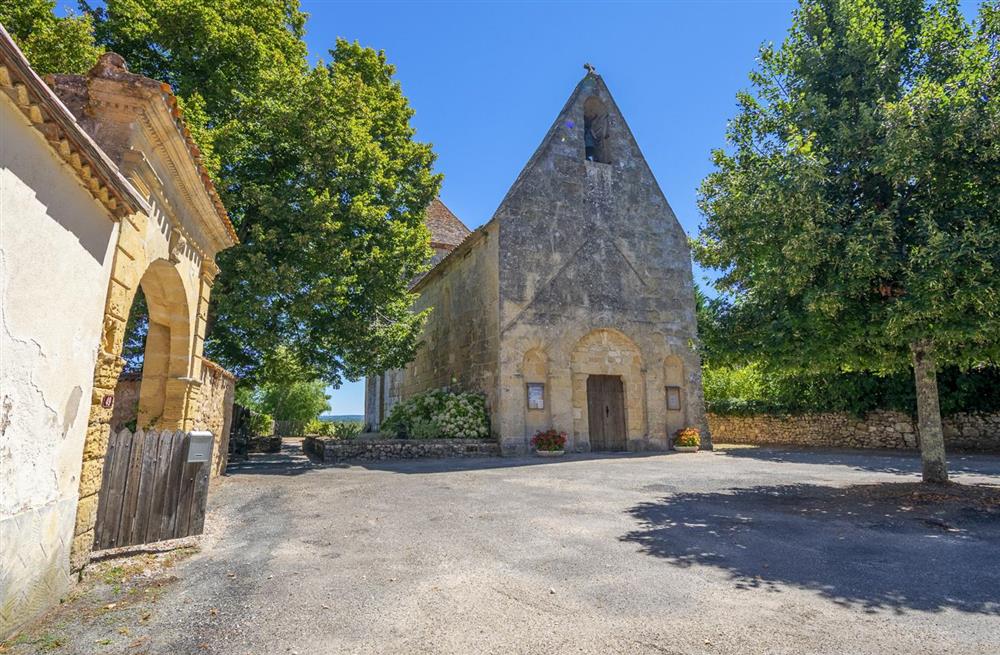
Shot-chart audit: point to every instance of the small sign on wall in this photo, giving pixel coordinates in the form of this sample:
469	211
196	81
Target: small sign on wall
674	398
108	401
536	395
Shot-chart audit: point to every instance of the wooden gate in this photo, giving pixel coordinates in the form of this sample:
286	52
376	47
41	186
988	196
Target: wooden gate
606	412
150	491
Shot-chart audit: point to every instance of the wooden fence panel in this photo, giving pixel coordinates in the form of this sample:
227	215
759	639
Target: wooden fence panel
150	492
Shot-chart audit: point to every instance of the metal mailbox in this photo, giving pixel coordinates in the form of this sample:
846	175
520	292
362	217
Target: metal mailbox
199	447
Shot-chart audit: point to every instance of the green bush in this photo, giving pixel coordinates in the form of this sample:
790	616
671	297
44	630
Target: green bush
753	390
334	429
439	413
261	425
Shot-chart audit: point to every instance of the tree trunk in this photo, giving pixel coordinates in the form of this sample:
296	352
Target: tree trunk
929	413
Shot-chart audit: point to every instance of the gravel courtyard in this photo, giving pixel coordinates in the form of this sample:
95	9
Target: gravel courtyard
743	550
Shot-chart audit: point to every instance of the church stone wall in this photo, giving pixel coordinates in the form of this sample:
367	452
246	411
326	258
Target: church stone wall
595	278
459	342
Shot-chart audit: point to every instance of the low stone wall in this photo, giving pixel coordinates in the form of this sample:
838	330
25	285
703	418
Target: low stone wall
878	429
339	450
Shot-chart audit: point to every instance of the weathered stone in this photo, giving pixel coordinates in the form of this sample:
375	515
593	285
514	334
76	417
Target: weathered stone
583	270
879	429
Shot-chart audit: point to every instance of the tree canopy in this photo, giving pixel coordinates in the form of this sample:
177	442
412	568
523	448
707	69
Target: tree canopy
854	215
52	44
317	165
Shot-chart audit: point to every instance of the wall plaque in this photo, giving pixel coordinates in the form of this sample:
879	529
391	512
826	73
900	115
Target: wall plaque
536	395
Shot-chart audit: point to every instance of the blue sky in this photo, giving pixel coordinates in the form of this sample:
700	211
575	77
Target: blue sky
487	80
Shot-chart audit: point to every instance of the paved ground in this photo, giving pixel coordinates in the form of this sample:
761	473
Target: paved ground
739	551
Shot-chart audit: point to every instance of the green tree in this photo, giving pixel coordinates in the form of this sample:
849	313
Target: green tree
318	168
854	217
285	391
52	44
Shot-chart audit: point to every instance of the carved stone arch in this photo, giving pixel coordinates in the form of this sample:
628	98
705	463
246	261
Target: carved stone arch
609	352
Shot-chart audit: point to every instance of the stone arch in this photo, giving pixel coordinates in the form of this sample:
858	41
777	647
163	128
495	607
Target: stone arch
596	131
168	362
535	370
606	351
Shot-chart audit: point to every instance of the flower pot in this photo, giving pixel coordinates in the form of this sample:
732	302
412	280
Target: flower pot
549	453
686	449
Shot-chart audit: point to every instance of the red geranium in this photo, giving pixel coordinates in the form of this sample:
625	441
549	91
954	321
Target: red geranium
549	440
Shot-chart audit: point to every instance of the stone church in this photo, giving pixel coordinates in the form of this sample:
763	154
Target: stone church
573	308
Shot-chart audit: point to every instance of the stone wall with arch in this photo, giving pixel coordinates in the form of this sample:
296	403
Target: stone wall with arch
169	250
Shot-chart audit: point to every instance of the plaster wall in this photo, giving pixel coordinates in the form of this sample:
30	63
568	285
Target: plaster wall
56	251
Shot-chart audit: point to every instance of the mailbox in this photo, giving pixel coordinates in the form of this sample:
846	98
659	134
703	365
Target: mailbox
199	447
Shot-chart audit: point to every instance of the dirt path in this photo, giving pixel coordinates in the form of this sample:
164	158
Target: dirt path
739	551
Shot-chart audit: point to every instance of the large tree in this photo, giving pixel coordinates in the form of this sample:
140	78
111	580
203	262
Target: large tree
855	215
51	43
318	168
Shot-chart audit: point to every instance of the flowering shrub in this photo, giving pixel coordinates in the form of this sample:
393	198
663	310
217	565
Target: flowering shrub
439	413
688	436
549	440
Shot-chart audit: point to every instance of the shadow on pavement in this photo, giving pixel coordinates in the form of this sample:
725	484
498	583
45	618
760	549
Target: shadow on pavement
898	546
879	461
290	461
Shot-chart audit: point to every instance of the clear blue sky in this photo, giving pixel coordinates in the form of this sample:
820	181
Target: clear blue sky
487	80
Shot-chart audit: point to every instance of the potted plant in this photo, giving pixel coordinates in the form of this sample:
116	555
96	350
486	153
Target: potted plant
549	443
686	440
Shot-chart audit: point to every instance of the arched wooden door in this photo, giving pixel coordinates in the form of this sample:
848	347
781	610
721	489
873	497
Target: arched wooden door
606	412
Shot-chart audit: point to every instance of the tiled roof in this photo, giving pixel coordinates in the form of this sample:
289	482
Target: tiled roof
446	230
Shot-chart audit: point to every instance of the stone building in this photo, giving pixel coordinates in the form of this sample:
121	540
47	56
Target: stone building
573	307
102	192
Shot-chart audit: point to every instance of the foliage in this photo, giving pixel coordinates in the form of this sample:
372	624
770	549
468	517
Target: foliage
855	218
284	390
52	44
335	429
318	168
549	440
260	424
439	413
755	389
687	437
856	212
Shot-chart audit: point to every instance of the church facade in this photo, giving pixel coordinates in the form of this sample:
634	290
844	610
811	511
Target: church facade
573	308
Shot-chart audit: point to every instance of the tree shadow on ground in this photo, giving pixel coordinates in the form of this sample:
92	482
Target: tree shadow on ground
879	461
893	547
289	461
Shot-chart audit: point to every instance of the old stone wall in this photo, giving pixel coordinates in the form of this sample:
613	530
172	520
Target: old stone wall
334	450
212	412
56	251
595	279
879	429
459	341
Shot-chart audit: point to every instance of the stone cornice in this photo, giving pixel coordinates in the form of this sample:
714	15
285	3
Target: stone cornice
47	114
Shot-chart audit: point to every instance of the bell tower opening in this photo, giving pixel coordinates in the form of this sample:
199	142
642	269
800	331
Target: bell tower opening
595	131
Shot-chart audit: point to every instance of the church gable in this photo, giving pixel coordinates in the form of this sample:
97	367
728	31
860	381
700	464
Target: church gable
585	225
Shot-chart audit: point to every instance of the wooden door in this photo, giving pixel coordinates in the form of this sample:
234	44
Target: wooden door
606	412
150	491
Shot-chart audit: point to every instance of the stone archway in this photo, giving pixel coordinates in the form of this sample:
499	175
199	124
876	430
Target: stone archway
608	352
167	362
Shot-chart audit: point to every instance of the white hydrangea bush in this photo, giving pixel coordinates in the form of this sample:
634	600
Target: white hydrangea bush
440	413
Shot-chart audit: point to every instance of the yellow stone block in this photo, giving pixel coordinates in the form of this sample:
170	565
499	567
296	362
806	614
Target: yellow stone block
86	515
80	550
96	445
90	477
